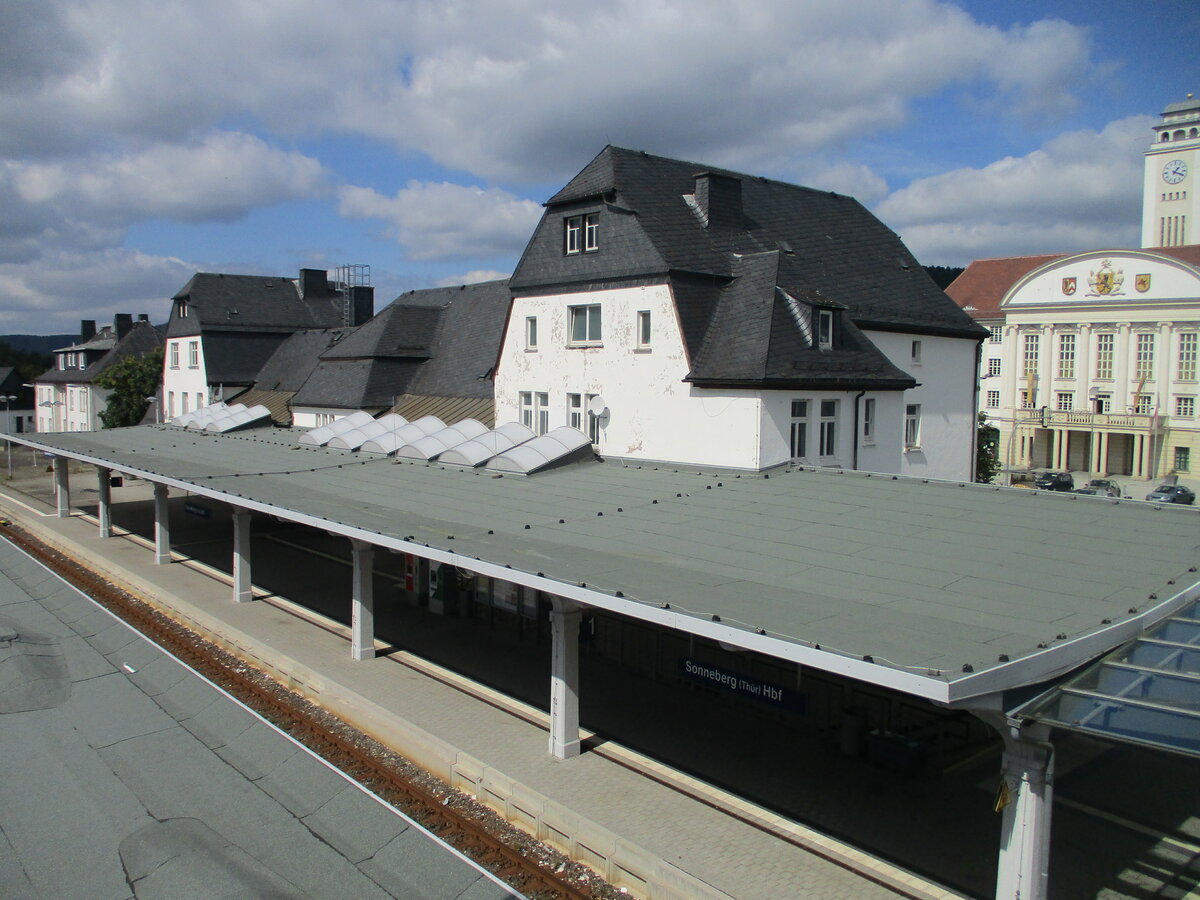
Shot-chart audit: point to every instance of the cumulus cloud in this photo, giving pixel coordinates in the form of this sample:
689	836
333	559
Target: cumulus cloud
1080	190
440	220
475	276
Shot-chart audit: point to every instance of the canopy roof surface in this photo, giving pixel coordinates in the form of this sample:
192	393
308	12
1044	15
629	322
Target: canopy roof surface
943	590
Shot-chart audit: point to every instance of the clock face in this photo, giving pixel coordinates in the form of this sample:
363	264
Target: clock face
1175	171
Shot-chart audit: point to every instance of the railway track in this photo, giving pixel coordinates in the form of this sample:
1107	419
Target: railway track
529	866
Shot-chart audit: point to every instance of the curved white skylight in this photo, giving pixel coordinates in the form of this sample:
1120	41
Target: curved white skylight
558	445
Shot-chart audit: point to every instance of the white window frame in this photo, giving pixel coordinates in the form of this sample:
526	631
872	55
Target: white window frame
1182	461
593	420
825	329
1144	356
643	329
868	420
1066	356
912	426
575	411
799	428
827	429
174	363
531	335
1032	353
1185	407
997	334
994	366
1187	356
591	232
915	350
1105	348
183	403
535	411
592	318
572	235
1142	404
1064	401
993	399
1103	403
193	354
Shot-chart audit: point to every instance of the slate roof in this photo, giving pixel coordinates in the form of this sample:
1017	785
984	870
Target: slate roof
652	228
439	342
295	358
236	357
254	302
982	285
141	339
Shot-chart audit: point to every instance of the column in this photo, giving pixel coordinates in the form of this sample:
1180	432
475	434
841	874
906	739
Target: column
1058	449
1136	468
564	678
162	526
1027	770
242	590
62	487
1102	468
104	488
362	601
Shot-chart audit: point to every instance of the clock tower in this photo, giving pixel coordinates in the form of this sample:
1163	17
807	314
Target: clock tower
1171	189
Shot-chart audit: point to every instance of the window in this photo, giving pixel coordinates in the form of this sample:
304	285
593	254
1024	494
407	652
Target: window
527	409
993	399
1183	459
170	404
593	421
193	354
531	332
868	421
912	425
183	402
994	366
62	361
199	400
575	411
535	411
1103	403
1185	407
643	328
1104	355
1142	404
585	324
828	433
183	309
799	429
916	352
1187	356
1027	400
1032	348
174	355
825	329
997	335
1064	401
1144	367
1066	356
581	233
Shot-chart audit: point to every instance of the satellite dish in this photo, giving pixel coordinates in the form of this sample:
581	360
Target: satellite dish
597	406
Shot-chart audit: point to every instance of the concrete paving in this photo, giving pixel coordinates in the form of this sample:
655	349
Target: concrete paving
1109	843
124	775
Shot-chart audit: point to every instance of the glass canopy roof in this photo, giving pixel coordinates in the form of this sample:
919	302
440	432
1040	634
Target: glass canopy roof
1145	692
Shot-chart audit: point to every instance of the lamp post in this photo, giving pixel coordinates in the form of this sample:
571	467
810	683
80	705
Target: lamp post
8	402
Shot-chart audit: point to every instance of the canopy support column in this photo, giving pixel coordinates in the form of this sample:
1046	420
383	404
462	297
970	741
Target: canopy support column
162	526
104	510
243	592
1024	801
62	487
362	601
564	678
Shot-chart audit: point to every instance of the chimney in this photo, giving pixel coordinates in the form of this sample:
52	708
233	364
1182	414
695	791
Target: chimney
122	323
360	306
87	330
314	281
144	317
719	199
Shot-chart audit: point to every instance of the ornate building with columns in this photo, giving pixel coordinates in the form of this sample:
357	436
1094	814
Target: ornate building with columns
1092	362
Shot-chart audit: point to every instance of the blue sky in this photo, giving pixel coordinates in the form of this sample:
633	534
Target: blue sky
143	141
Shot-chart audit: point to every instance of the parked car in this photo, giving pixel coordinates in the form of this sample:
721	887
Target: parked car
1172	493
1104	486
1054	481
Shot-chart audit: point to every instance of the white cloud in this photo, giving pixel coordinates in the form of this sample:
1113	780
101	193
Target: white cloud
440	220
1081	190
475	276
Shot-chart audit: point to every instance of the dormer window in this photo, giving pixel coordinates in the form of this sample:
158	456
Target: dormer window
825	329
183	309
581	234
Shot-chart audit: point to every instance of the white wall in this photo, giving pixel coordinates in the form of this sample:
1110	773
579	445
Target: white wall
653	413
946	375
312	416
184	378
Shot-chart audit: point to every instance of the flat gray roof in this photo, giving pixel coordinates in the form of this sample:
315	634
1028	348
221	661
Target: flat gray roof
946	591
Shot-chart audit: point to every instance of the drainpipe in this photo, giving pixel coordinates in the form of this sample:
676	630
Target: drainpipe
857	397
973	463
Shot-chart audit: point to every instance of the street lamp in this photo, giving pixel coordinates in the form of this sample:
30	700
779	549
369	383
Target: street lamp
8	402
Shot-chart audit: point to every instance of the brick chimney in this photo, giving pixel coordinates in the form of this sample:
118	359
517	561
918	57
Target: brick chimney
719	199
87	330
122	323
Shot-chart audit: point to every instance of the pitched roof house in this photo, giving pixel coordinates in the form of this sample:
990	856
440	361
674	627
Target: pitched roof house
682	313
67	397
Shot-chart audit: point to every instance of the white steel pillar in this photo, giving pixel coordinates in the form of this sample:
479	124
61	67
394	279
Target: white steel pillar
242	590
62	487
104	510
1027	792
362	602
162	526
564	678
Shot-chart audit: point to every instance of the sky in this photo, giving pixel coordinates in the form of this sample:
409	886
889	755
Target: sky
142	141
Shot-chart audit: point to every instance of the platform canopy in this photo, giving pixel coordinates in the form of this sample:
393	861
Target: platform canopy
951	592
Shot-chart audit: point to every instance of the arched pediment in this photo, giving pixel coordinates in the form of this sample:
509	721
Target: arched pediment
1106	277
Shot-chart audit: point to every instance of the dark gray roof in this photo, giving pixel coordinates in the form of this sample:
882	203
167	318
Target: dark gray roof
236	357
439	342
141	339
295	358
252	302
830	248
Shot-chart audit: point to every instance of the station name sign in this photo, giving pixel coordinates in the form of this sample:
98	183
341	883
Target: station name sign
739	683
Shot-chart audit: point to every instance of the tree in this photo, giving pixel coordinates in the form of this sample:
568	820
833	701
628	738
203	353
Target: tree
131	381
987	450
28	365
